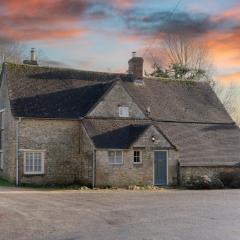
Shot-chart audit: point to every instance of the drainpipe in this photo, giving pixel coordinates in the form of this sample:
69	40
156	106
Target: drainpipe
94	168
17	148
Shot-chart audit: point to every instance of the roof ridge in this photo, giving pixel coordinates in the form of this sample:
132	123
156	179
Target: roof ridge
65	69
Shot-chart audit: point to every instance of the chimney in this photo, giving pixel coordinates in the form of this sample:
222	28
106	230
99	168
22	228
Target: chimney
33	58
135	66
33	54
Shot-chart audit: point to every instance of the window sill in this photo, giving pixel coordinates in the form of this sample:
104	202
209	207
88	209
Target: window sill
140	163
33	174
115	164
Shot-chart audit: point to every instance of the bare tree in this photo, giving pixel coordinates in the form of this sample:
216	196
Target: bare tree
11	52
187	59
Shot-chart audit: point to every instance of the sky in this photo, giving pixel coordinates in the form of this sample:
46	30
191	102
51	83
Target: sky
101	34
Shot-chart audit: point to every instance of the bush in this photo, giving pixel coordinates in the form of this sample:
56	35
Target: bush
204	182
230	179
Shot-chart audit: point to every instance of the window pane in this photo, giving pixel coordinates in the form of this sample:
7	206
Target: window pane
118	157
136	157
115	157
1	120
1	160
111	157
1	138
123	112
33	162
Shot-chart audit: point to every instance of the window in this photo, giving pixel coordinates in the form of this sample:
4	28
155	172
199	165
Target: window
1	119
1	137
1	159
115	157
34	162
123	111
137	157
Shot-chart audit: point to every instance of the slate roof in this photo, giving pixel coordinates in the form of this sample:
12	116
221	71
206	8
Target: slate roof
204	144
67	104
169	100
45	92
114	134
181	101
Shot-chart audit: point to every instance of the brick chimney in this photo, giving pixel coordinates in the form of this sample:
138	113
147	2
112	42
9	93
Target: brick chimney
33	58
135	66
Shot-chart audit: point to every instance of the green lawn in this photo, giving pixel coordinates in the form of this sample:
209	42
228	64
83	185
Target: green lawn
5	183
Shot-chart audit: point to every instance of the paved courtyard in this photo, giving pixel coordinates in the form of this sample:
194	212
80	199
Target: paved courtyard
113	215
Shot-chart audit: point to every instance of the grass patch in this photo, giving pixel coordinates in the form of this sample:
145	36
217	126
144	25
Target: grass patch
5	183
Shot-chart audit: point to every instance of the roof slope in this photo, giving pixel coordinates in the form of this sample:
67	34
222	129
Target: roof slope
45	92
115	134
181	101
71	104
204	144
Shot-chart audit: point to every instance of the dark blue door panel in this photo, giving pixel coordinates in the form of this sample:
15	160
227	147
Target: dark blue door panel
160	168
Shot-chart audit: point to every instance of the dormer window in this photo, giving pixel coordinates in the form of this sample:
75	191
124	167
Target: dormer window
123	111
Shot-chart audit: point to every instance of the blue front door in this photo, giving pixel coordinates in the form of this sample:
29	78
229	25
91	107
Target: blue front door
160	168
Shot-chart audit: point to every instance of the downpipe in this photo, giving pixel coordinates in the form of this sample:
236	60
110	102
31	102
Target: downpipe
17	150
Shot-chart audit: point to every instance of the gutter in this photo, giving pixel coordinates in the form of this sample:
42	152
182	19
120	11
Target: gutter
17	149
94	168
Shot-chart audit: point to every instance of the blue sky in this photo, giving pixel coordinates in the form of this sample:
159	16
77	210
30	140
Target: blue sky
101	34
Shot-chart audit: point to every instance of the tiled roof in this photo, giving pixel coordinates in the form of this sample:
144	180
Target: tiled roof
204	144
67	104
181	101
115	134
170	100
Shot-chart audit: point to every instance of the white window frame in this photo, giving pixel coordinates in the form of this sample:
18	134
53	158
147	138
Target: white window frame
1	159
2	139
42	162
115	152
140	156
123	111
2	112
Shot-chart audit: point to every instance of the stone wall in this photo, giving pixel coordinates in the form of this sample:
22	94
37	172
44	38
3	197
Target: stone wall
60	141
129	173
9	135
86	157
108	107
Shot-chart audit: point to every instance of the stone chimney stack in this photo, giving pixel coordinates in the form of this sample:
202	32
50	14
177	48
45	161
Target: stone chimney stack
135	66
33	58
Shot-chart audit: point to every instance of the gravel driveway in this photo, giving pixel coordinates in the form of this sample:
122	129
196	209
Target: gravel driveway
113	215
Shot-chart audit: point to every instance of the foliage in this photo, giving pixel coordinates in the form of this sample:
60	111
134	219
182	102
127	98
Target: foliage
5	183
204	182
230	179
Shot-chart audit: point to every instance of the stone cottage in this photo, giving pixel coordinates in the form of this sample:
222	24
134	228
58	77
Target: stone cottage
60	126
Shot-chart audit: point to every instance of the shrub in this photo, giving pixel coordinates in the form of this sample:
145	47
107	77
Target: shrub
204	182
230	179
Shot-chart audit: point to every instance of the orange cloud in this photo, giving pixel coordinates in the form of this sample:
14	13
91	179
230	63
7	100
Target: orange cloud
233	78
41	19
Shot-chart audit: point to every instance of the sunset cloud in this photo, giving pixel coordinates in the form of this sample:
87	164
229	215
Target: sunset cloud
41	19
233	78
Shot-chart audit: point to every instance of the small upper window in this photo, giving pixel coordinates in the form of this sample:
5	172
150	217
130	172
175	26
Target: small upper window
123	111
34	162
115	157
137	158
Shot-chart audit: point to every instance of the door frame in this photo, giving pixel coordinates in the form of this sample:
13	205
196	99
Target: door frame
154	165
